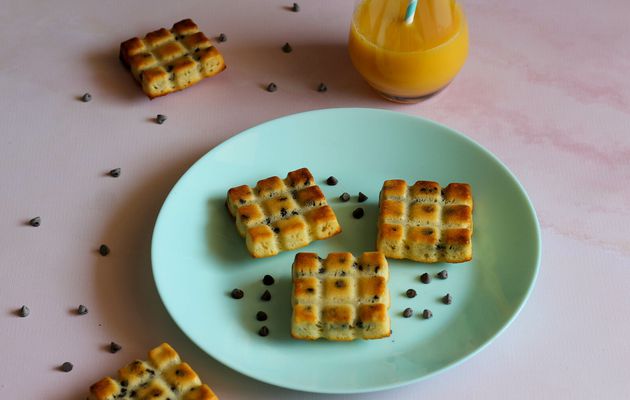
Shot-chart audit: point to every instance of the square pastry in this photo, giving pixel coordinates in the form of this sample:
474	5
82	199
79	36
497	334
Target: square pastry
165	60
279	215
340	298
425	222
163	376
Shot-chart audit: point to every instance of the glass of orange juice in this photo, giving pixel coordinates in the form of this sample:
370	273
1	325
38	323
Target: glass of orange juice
406	60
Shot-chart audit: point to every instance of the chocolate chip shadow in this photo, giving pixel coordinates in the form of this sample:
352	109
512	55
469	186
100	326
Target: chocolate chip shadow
251	303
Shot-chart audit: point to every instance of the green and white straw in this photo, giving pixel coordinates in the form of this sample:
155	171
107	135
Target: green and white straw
411	11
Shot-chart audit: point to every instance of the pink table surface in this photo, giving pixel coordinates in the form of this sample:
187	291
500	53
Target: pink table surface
545	88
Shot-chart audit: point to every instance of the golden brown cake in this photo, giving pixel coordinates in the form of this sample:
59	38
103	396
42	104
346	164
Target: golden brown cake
279	215
164	376
340	298
169	60
424	222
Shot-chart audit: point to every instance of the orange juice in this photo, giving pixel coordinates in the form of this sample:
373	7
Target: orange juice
405	62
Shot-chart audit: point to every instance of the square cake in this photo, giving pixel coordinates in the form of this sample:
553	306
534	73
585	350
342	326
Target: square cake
165	60
279	215
164	376
425	222
340	298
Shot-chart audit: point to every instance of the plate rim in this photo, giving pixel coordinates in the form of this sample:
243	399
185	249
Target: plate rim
288	385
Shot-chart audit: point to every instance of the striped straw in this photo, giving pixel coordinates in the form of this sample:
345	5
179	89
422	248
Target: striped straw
411	11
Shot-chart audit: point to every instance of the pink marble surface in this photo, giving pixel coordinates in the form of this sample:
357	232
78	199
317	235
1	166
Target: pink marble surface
546	89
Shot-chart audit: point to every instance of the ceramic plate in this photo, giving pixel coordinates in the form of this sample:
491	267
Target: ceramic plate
198	256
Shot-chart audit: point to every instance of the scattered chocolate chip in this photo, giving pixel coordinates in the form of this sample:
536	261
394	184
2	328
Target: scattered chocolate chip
261	316
103	250
264	331
82	310
67	366
115	173
287	48
340	283
426	314
24	312
296	7
322	270
86	97
272	87
332	181
322	87
268	280
408	312
266	296
222	38
362	197
114	347
358	213
447	299
410	293
276	229
443	274
425	278
160	118
237	294
345	196
37	221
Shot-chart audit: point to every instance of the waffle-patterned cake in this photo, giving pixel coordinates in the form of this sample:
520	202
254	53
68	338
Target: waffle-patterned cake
164	376
424	222
166	61
340	298
279	215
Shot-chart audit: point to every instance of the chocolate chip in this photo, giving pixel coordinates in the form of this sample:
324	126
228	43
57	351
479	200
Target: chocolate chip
24	312
160	118
340	283
222	37
322	270
261	316
362	197
410	293
443	274
272	87
114	347
408	312
426	314
296	7
37	221
237	294
358	213
67	366
268	280
425	278
82	310
283	212
447	299
103	250
86	97
115	173
332	181
310	290
264	331
322	87
345	196
266	296
287	48
276	229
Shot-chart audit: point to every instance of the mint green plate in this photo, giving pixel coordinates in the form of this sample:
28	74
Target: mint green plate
198	256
